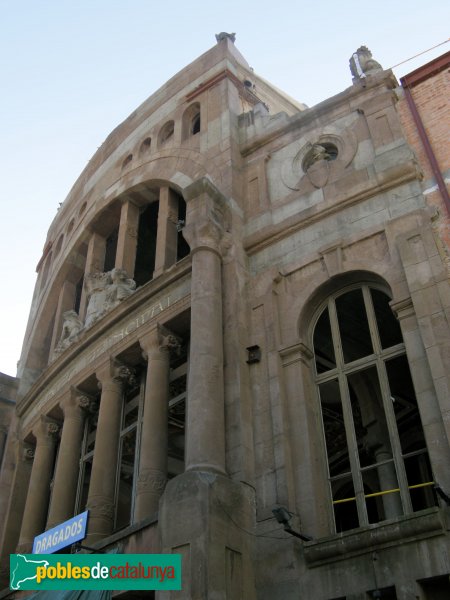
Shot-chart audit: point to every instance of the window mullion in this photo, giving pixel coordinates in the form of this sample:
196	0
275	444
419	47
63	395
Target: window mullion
393	434
138	444
353	451
348	418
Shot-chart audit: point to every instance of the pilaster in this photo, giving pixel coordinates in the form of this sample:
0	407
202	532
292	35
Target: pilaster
24	455
428	404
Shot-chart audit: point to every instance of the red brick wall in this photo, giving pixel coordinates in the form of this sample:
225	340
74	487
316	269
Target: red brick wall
432	99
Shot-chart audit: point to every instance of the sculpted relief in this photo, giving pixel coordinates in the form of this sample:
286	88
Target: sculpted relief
105	291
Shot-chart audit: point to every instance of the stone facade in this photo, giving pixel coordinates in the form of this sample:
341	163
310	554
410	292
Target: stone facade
244	305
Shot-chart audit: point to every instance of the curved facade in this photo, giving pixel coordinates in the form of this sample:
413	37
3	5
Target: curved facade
241	305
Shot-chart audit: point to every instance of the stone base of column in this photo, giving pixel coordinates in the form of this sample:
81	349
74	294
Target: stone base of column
100	519
24	548
205	517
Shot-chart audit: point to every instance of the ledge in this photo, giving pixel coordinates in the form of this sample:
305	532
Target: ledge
425	524
101	327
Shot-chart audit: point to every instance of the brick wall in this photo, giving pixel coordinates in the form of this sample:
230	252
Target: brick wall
432	99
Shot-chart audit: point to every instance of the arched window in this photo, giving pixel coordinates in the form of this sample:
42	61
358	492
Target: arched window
166	133
191	123
378	464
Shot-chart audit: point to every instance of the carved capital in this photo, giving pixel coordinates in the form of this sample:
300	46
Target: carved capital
160	341
206	235
87	404
27	453
123	374
46	431
207	216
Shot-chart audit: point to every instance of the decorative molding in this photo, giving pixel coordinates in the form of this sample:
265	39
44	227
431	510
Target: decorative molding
294	354
151	481
402	308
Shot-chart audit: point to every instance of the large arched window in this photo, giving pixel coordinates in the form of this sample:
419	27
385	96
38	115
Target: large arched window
378	464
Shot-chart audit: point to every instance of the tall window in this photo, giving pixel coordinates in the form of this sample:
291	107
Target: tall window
128	453
378	464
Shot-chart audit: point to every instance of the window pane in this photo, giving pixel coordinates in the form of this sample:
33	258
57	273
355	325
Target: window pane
405	405
418	471
382	478
353	326
86	469
91	433
369	418
323	344
126	477
345	513
388	326
130	411
333	423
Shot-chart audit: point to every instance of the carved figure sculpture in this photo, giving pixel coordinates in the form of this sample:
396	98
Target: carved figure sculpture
105	291
72	326
362	63
223	35
317	152
120	288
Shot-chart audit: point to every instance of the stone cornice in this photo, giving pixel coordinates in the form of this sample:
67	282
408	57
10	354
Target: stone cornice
307	116
101	328
421	525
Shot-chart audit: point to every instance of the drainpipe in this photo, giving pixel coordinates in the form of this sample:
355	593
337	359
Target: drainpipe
426	144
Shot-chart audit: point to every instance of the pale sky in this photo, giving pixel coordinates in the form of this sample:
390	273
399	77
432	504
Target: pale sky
72	71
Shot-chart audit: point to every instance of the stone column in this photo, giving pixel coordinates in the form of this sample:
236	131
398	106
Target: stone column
167	235
23	462
100	503
95	261
205	440
65	482
65	302
152	474
35	513
127	240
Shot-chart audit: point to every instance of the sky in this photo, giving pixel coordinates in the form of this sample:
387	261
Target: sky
70	72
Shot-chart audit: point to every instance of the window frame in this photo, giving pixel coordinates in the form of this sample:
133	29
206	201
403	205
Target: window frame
340	373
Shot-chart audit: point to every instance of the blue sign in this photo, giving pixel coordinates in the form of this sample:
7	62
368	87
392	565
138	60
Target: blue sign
63	535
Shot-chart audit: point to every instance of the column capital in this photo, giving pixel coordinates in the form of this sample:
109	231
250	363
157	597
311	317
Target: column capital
116	373
27	453
207	216
159	340
76	404
46	430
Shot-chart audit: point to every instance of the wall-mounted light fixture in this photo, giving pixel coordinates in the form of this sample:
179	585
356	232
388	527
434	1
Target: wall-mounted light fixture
254	354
